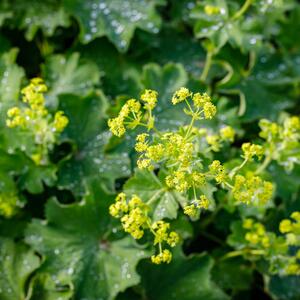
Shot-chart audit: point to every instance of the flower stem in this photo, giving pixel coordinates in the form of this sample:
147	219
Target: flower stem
207	66
154	197
242	252
233	172
242	10
265	164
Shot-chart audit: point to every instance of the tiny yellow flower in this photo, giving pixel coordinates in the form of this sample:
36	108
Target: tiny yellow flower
209	110
211	10
180	95
191	210
296	216
253	238
248	223
285	226
60	121
144	163
227	133
250	150
150	98
213	141
203	202
173	239
116	126
164	257
200	99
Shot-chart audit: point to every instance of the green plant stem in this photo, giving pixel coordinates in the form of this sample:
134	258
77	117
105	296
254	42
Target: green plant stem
265	164
241	252
242	10
228	184
208	62
233	172
154	197
190	127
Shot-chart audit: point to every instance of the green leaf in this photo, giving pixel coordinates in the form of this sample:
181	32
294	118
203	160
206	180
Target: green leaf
121	74
17	264
233	274
262	101
87	131
284	288
183	279
69	75
185	51
77	247
115	19
4	44
32	15
150	189
5	11
44	287
34	177
213	27
10	77
31	177
237	237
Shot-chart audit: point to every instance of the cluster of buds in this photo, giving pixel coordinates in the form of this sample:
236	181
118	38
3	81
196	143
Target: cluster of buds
133	113
281	251
193	209
282	141
134	216
9	203
252	189
35	119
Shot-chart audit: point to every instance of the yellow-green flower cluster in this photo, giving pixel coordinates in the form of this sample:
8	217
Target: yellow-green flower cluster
8	204
150	99
291	228
35	118
276	249
215	141
252	189
218	171
133	214
161	232
165	256
282	140
211	10
150	154
185	160
181	95
193	209
132	114
256	234
174	150
201	102
227	133
251	150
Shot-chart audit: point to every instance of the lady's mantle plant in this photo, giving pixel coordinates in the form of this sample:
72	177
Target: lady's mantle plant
184	158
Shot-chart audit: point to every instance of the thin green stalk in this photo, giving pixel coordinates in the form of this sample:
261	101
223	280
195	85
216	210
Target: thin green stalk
190	127
241	252
233	172
154	197
242	10
208	62
265	164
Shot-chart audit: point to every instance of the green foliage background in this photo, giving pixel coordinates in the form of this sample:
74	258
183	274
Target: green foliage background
94	54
